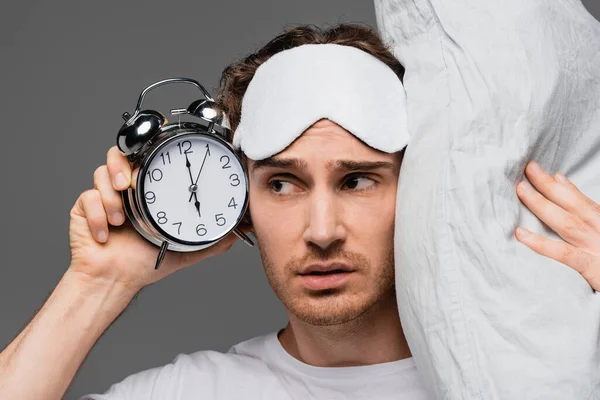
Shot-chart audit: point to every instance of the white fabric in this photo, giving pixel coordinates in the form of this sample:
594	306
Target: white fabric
297	87
260	368
491	85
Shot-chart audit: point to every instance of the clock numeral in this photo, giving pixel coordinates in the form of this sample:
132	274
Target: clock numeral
155	175
220	219
150	197
179	227
162	219
185	147
167	158
226	165
234	205
234	178
201	230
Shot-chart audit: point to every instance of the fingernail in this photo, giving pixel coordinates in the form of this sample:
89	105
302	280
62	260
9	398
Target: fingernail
561	178
535	166
522	232
118	218
121	181
525	187
102	236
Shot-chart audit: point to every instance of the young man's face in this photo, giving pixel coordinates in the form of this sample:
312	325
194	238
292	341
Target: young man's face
327	198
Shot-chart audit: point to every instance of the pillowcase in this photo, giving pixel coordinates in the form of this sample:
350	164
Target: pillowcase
490	86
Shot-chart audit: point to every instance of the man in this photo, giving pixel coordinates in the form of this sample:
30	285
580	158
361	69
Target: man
337	196
331	262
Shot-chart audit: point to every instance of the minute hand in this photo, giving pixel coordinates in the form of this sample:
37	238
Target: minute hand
202	166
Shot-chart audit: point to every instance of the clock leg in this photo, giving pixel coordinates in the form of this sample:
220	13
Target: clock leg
161	254
243	237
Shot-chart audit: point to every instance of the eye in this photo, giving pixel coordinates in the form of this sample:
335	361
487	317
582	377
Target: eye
281	187
359	183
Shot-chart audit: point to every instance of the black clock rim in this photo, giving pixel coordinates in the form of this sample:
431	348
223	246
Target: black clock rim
144	164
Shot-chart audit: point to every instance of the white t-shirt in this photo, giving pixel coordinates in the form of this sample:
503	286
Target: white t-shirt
260	368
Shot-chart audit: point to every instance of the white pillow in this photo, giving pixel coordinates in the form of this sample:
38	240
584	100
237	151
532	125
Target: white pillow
491	85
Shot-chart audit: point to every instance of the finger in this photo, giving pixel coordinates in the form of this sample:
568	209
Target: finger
134	175
90	204
118	168
111	199
571	256
564	194
570	227
585	208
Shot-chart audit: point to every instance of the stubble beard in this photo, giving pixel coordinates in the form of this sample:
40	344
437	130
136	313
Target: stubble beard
334	306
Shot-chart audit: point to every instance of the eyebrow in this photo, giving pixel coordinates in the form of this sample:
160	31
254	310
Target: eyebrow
279	163
351	165
346	165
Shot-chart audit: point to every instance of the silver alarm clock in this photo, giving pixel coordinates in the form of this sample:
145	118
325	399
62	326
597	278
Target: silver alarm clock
192	188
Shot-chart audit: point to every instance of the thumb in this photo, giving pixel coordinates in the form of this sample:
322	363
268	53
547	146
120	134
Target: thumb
134	176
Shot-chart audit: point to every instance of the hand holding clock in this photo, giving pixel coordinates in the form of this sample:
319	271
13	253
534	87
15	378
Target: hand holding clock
107	249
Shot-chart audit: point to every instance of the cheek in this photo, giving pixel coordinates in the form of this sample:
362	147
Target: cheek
277	224
371	223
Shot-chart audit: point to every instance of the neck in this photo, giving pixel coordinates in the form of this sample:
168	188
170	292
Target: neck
373	338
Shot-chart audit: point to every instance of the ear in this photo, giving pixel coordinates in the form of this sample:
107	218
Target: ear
246	222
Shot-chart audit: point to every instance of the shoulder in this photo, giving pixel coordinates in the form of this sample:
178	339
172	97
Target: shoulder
249	355
201	371
257	347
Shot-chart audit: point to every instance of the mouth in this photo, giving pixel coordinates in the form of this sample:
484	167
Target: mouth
322	276
326	268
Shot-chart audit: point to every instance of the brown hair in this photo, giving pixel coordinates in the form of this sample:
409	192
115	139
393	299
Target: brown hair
236	77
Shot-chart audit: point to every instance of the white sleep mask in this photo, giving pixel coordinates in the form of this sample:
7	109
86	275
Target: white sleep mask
298	87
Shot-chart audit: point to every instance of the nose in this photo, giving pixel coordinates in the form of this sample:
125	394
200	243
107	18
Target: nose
324	220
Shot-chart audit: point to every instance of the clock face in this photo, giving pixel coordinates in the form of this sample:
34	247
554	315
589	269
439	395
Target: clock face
194	189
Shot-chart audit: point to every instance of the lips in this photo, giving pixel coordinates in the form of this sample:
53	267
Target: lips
324	269
325	276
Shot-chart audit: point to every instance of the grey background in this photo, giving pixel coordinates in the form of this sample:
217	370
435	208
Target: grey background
68	71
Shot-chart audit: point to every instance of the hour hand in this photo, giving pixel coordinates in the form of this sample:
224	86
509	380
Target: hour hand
197	204
193	186
189	168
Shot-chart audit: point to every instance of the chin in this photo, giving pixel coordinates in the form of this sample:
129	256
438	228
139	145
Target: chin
328	307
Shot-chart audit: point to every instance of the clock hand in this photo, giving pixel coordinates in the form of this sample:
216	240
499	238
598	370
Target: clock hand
189	168
194	194
197	204
202	166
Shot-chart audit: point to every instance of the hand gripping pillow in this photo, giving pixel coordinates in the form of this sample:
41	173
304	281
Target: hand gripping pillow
492	84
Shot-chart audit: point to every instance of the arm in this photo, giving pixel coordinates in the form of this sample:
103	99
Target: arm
110	263
42	361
